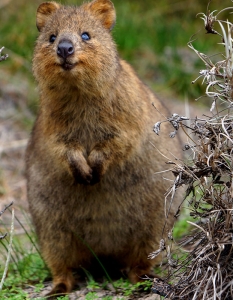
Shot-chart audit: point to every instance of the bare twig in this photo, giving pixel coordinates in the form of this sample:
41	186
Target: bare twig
1	212
3	57
9	250
206	272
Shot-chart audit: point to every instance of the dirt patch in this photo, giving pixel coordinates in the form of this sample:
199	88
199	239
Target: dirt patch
13	140
83	291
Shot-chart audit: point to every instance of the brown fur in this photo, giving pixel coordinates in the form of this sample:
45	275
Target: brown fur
90	161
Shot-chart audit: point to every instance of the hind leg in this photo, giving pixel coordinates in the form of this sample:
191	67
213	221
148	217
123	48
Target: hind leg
63	280
140	272
139	265
59	256
62	255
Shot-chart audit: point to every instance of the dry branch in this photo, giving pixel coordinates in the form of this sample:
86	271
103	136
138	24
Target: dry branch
205	271
3	57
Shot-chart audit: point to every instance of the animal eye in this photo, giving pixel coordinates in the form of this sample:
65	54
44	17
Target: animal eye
85	36
52	38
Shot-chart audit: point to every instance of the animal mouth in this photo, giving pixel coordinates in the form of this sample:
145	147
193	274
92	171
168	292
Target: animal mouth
67	66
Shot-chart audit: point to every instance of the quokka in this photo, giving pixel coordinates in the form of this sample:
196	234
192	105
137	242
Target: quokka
90	161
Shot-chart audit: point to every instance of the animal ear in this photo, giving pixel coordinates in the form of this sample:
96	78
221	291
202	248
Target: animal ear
104	11
44	12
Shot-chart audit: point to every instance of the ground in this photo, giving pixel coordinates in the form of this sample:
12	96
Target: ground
83	293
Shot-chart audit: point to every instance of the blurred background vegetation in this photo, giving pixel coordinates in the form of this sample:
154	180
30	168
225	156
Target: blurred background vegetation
151	35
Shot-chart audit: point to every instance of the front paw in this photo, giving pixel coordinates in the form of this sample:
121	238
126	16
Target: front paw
98	163
97	171
82	175
80	170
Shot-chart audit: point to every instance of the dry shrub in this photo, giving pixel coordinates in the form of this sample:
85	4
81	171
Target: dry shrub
201	267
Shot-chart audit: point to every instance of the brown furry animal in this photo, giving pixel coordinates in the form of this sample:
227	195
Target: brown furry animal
90	160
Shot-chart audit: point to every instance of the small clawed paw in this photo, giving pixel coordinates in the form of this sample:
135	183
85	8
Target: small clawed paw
81	177
97	171
96	176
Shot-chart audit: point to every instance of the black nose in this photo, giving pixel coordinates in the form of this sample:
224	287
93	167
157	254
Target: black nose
65	49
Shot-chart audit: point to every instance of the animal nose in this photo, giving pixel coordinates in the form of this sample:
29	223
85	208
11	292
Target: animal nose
65	48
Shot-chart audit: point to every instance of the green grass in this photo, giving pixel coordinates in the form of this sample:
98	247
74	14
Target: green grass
121	286
26	267
182	227
26	271
30	271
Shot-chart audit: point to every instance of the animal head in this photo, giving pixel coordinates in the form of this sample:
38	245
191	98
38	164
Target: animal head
75	45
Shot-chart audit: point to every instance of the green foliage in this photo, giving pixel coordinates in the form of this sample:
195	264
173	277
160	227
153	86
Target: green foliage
28	270
122	286
32	268
14	293
93	285
38	287
91	296
63	298
181	227
128	288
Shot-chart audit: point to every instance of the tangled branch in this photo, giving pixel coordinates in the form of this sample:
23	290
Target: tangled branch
203	268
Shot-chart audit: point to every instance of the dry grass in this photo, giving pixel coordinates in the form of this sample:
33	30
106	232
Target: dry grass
205	270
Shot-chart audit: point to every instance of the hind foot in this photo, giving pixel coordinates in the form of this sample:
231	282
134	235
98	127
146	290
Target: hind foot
58	290
62	285
136	275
